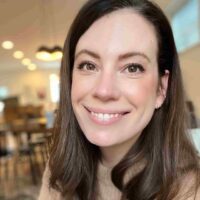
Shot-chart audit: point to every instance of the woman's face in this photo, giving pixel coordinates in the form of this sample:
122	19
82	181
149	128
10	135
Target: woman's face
115	79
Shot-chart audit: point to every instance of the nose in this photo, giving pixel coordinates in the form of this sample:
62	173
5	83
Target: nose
106	87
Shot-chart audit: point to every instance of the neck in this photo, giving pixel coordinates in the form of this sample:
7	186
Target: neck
112	155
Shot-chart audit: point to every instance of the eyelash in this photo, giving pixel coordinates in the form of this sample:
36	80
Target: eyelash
136	68
84	66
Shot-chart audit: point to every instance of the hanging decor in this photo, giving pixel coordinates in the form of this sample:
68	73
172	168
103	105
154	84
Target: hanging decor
49	54
44	52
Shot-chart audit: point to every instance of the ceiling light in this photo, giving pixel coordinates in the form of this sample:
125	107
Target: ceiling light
56	53
43	54
18	54
32	67
26	61
49	54
7	45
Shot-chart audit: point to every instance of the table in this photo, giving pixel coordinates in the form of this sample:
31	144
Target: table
30	128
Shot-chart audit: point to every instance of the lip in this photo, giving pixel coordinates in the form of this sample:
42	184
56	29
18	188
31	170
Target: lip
106	111
95	119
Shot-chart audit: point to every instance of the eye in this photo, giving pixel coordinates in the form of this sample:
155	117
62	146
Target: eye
87	66
134	68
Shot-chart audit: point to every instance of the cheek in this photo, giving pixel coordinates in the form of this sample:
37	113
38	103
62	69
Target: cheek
80	87
142	91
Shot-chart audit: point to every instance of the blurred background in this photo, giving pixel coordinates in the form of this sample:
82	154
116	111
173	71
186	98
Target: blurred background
32	34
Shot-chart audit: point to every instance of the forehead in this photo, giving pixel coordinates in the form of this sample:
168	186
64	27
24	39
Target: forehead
118	32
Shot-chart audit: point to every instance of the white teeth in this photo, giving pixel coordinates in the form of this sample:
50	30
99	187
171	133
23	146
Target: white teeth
104	116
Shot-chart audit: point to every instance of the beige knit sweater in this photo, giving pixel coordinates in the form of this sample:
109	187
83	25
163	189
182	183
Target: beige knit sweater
107	190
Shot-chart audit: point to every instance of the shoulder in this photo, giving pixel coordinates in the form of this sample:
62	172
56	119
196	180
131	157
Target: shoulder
46	192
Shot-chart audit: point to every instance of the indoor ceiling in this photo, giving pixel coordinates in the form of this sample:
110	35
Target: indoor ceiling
30	24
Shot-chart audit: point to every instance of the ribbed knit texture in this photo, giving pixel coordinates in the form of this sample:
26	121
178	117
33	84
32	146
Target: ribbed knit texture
107	191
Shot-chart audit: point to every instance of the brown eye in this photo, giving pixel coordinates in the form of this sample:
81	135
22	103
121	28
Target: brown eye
87	66
134	68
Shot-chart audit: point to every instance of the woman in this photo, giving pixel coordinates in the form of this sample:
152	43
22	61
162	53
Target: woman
121	132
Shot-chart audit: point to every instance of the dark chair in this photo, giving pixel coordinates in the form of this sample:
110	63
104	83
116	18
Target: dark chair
5	154
34	151
7	163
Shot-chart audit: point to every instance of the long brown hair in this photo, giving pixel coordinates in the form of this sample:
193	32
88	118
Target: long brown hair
164	143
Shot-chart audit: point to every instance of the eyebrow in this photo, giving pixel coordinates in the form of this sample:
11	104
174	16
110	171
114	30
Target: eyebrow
88	52
120	57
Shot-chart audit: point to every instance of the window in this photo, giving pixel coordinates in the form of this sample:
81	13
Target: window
1	107
3	92
185	24
54	87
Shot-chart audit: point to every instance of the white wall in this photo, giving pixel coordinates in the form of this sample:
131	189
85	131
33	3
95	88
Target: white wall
191	76
27	84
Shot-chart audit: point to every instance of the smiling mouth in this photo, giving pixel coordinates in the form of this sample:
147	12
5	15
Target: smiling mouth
105	117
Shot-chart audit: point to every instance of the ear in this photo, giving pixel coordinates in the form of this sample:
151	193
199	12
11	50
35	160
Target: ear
162	89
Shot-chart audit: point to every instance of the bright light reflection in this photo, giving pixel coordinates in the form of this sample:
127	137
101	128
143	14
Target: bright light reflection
18	54
26	61
46	56
32	67
7	45
1	106
54	87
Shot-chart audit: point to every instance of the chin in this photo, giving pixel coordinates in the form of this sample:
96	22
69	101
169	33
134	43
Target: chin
100	141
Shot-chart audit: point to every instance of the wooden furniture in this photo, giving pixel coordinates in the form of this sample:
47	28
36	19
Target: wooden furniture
35	146
28	125
31	138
